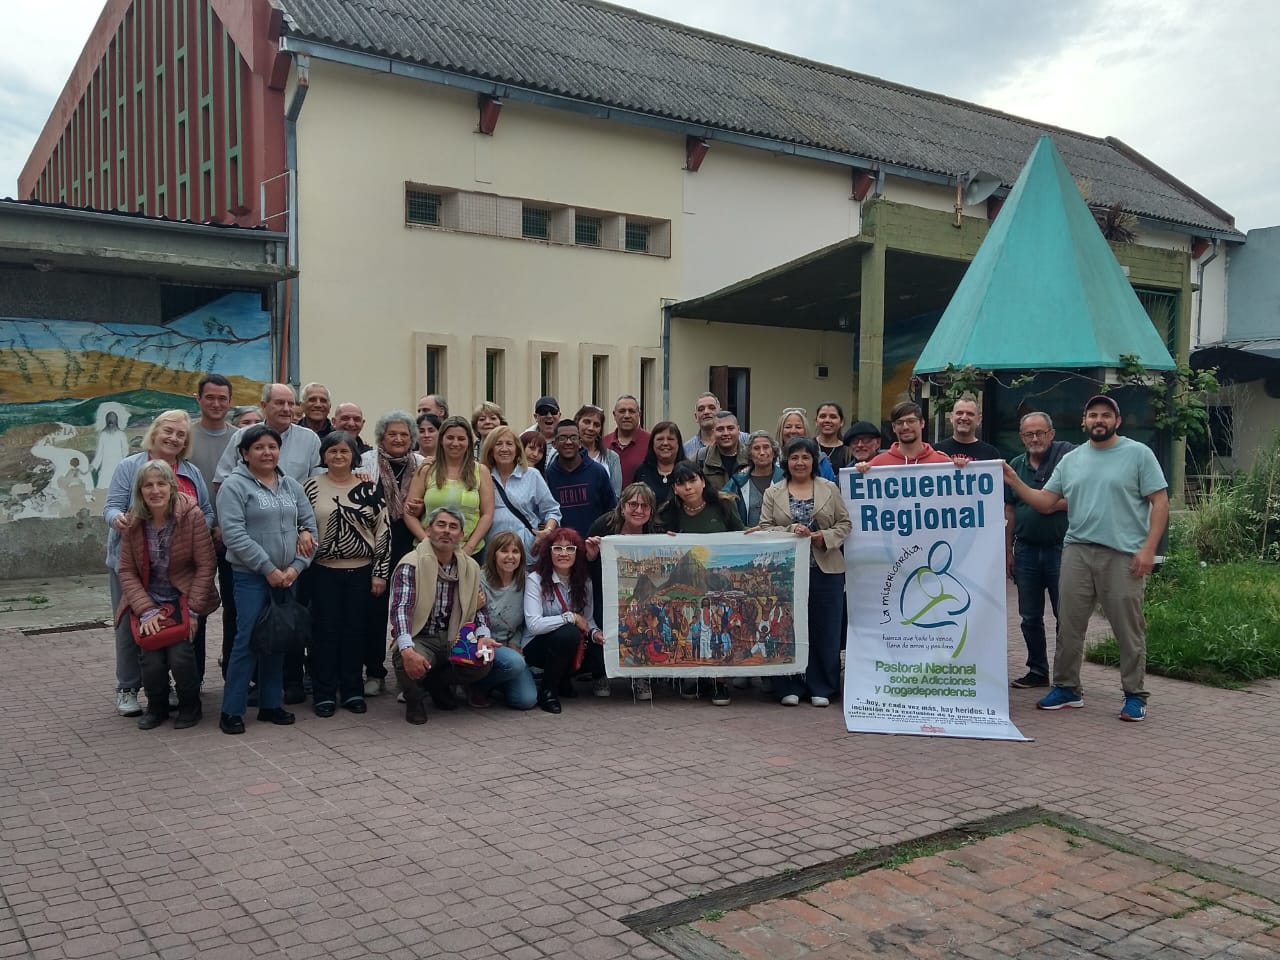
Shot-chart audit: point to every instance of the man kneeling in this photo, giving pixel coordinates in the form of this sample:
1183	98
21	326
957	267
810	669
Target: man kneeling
434	591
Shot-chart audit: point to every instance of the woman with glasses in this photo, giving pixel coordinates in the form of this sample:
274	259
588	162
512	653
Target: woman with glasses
808	506
559	616
633	515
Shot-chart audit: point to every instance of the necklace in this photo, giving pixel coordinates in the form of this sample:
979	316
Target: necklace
702	505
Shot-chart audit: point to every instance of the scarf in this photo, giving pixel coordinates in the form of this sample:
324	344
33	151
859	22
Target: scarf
395	488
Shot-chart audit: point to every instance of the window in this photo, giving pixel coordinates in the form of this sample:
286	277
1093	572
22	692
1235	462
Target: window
547	363
435	369
733	384
494	375
600	381
535	223
637	237
421	206
586	230
648	387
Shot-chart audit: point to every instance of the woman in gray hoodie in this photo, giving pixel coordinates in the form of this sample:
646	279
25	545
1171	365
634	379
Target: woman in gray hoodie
262	513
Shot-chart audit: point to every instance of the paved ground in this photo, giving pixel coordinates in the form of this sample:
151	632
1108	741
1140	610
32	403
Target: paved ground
494	833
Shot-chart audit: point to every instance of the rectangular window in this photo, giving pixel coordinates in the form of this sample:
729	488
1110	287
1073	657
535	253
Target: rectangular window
648	389
421	206
637	238
586	230
494	362
599	380
435	369
535	223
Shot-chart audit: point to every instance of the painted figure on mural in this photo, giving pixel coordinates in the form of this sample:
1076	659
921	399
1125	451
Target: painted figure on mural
113	444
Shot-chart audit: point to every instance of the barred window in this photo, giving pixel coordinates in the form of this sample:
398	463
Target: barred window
637	240
535	223
422	207
586	230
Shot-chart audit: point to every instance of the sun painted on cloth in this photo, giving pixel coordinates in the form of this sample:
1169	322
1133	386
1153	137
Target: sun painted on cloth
712	605
926	651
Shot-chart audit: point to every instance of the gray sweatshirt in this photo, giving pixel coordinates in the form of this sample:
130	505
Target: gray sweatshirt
260	526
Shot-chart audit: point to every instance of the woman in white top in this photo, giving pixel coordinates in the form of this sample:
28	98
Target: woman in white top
558	616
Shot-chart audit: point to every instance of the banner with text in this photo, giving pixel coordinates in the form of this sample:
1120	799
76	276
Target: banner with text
927	644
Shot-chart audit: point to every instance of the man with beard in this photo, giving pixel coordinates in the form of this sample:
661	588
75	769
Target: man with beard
1033	542
907	420
1118	507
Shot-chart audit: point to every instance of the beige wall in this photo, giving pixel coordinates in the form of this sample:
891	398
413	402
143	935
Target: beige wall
747	211
375	293
782	364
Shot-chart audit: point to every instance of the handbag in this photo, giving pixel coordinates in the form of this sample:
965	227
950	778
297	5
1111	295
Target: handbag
175	620
283	624
581	652
175	616
466	649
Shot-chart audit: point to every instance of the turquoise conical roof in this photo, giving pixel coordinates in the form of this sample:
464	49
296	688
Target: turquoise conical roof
1045	289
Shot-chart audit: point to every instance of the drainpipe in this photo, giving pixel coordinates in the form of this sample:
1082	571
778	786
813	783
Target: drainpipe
666	359
303	65
1200	282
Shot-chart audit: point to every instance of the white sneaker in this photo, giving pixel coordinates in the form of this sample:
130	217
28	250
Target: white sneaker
373	686
790	700
600	687
127	703
641	689
400	697
820	701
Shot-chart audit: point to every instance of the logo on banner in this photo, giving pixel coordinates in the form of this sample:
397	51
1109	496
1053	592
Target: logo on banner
936	595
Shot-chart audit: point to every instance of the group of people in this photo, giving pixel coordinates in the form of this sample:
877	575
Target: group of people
475	549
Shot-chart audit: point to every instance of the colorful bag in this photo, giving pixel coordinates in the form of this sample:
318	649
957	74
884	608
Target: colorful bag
466	649
175	626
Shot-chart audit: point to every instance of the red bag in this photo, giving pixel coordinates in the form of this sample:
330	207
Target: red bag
175	617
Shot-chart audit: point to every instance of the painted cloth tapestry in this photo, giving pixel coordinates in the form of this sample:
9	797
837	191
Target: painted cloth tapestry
705	605
927	643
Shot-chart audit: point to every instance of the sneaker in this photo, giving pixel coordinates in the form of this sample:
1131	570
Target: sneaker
1135	710
1029	681
642	689
820	701
400	697
719	694
127	703
1060	698
600	686
741	683
373	686
688	689
173	698
791	700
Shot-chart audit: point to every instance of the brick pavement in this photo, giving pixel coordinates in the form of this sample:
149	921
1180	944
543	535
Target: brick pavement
1038	892
495	833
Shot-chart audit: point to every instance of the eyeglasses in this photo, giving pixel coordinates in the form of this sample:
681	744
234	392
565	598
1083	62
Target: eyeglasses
907	421
563	548
567	438
1034	434
635	505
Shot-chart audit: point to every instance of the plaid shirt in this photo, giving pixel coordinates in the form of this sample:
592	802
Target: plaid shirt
404	596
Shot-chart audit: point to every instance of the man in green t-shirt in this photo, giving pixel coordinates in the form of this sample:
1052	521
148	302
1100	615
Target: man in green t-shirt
1033	542
1117	511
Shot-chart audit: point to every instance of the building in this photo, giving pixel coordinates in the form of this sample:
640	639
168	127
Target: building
498	199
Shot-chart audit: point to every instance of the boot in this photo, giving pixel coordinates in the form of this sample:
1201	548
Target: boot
157	713
415	707
439	685
189	712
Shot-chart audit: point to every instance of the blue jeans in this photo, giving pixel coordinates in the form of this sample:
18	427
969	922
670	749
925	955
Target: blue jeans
1035	570
511	676
252	593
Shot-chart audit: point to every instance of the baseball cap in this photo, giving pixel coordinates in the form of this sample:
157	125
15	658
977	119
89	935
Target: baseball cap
546	405
862	428
1105	399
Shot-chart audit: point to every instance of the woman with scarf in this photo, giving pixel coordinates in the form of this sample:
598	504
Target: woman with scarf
392	462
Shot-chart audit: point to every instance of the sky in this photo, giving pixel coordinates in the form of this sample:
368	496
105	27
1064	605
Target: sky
1191	85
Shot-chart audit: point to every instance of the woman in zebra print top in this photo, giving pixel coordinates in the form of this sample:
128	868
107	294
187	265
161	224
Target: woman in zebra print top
352	565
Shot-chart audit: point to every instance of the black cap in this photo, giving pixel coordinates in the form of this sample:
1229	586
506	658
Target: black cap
862	428
546	405
1103	398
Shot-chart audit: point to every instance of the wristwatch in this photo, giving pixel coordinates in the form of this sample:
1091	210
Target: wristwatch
568	617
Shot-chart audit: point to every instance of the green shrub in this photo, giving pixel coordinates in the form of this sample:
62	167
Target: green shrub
1215	623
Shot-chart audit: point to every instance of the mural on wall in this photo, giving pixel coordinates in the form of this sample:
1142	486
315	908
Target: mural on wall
76	397
903	343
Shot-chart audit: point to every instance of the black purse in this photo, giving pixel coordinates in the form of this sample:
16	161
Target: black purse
282	625
512	507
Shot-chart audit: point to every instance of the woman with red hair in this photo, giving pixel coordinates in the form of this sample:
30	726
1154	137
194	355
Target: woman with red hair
558	616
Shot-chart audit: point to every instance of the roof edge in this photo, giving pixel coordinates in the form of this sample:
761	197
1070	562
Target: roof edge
1158	171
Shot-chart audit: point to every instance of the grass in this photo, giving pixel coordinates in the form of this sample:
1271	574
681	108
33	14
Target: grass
1212	623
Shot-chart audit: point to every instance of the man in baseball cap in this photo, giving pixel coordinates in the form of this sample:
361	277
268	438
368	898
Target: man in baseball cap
546	414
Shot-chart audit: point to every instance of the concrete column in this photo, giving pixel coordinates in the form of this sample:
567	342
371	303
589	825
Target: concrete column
871	334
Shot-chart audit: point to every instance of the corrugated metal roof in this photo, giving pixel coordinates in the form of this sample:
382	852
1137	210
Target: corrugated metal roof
599	53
